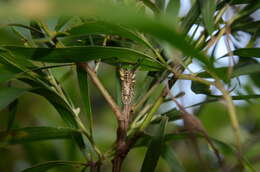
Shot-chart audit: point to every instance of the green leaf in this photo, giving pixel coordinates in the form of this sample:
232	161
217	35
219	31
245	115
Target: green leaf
255	79
64	110
160	29
222	146
102	27
238	70
152	6
59	104
173	9
111	55
248	10
250	27
5	75
161	4
128	15
30	134
84	89
155	148
172	115
200	88
43	167
62	21
190	18
241	97
12	114
207	8
246	69
36	33
213	98
9	94
169	155
247	52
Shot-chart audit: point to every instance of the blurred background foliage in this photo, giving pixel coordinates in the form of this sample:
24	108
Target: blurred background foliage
33	110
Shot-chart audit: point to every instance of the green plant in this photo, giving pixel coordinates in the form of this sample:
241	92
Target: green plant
141	39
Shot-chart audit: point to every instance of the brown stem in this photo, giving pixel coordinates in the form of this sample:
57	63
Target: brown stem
122	148
103	90
95	166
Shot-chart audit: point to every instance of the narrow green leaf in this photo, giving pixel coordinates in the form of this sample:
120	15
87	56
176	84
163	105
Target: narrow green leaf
221	146
29	134
60	105
158	28
212	99
102	27
24	66
241	97
200	88
172	115
173	9
36	32
155	148
62	21
247	52
5	75
111	55
250	27
161	4
255	78
207	8
240	70
43	167
190	18
64	109
9	94
152	6
169	155
84	89
12	113
246	70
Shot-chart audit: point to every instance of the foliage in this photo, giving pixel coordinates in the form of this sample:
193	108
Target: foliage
133	53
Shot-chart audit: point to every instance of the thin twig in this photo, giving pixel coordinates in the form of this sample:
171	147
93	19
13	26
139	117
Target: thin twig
232	114
103	90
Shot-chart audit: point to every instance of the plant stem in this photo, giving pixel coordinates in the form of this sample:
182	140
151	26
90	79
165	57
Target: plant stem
155	107
103	90
232	114
194	78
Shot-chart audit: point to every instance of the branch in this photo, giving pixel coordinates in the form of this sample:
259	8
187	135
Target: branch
103	90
